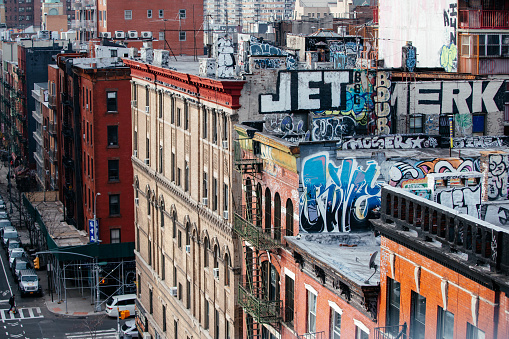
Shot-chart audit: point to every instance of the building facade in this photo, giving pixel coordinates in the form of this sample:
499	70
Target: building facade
186	254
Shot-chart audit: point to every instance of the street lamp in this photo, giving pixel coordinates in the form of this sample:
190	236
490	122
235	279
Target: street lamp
96	229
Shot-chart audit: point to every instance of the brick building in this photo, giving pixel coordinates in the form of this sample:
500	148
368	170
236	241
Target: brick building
94	145
442	274
186	253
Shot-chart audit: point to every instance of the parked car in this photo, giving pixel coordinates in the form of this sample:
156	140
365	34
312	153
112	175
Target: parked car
18	265
129	330
120	303
4	223
16	253
9	233
3	215
2	205
13	244
28	283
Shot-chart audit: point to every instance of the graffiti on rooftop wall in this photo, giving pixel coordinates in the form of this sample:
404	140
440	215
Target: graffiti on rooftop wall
497	177
332	128
481	142
495	214
383	107
344	54
390	142
287	126
225	58
465	200
258	47
449	51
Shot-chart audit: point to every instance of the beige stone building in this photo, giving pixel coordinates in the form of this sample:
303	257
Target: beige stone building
182	161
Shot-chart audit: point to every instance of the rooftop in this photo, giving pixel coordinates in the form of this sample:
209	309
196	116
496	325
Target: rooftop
348	254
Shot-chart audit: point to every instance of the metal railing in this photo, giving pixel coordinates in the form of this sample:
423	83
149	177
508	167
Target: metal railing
483	19
313	335
391	332
262	310
262	239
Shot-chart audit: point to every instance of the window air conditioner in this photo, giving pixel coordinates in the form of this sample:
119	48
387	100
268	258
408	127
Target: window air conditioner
147	109
146	34
225	144
225	215
137	201
119	34
135	153
173	291
188	248
134	103
133	34
204	201
216	273
147	162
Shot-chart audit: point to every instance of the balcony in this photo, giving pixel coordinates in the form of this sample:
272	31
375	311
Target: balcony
483	19
391	332
37	138
313	335
259	238
65	98
262	310
53	156
478	243
52	102
52	128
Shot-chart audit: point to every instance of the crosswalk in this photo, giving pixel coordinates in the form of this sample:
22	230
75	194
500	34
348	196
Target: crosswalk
105	334
23	313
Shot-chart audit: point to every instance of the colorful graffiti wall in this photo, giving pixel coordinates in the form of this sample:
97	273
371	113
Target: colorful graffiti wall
343	194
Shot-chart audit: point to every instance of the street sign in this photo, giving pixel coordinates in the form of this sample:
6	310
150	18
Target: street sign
91	230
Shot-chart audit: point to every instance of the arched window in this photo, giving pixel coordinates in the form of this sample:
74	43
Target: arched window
289	217
188	234
161	211
216	257
249	200
268	210
227	265
277	217
270	281
206	246
174	223
148	203
258	217
136	190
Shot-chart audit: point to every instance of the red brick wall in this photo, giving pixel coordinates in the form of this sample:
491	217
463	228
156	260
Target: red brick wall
460	290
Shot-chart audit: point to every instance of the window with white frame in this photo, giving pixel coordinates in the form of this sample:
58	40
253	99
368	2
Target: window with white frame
182	13
161	13
161	36
149	13
182	36
493	45
128	14
335	321
115	236
311	328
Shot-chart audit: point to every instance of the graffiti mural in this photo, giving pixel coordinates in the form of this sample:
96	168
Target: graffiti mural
225	58
258	47
383	108
481	142
409	57
495	214
391	142
289	127
497	177
332	128
449	51
466	200
344	54
267	63
338	197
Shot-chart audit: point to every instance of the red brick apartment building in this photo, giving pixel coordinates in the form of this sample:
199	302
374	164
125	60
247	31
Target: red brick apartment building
93	124
174	25
443	274
304	286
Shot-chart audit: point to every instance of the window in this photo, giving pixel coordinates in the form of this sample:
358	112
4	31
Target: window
163	267
179	176
225	197
182	13
474	333
478	124
393	295
172	104
445	324
493	45
139	285
206	246
227	265
277	217
161	13
149	13
227	329
444	125
113	54
186	116
112	135
174	224
180	292
115	236
147	147
268	207
172	166
114	204
182	36
289	300
178	116
175	329
361	333
225	128
311	328
216	324
205	123
149	246
289	217
111	101
418	316
151	301
416	125
207	315
161	108
174	275
205	185
186	176
214	126
160	159
128	14
179	239
214	193
335	321
113	170
188	299
164	318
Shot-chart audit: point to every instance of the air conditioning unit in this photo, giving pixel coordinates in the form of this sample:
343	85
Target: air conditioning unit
106	35
87	106
137	201
204	201
119	35
188	248
135	153
47	172
133	34
134	103
173	291
216	273
147	162
147	109
84	135
225	215
146	34
44	128
225	144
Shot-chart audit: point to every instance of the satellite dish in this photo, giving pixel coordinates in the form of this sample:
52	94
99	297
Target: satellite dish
372	261
372	265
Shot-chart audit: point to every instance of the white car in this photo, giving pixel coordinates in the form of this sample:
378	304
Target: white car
15	253
129	330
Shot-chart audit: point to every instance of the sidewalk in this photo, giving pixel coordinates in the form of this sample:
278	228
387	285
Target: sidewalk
76	305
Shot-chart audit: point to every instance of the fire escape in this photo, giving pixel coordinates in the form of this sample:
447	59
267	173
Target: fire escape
67	156
260	306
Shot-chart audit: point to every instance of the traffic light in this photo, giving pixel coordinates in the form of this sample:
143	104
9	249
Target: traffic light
103	281
36	263
124	314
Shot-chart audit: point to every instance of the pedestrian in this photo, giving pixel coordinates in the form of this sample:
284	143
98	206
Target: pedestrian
12	302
